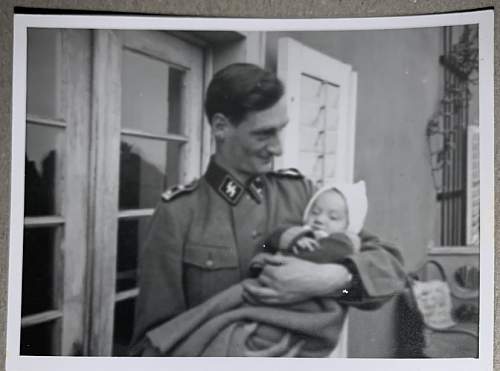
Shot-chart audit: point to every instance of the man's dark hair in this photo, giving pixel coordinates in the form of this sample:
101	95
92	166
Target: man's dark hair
241	88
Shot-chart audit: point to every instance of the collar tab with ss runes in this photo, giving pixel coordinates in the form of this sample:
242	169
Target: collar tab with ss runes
230	188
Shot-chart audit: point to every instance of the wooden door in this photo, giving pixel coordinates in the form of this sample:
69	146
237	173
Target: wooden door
319	139
148	127
113	118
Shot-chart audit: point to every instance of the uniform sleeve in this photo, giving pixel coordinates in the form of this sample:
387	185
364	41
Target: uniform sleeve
161	294
378	274
310	189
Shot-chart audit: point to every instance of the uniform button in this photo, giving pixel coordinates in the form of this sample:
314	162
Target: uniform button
209	263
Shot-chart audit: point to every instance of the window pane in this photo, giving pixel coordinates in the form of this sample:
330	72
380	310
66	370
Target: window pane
330	141
44	156
332	101
40	340
123	326
144	93
39	277
147	168
131	233
332	95
311	89
42	72
151	94
175	91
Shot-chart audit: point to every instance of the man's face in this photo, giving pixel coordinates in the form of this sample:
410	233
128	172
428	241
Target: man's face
250	147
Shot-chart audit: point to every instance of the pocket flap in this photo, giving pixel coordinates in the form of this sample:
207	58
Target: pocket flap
210	257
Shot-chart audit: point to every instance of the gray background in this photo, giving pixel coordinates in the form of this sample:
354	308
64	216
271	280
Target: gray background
227	8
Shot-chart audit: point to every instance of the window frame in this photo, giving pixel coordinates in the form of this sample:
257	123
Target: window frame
88	99
106	126
72	102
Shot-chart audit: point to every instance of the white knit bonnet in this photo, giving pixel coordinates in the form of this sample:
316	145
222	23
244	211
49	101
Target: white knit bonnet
356	201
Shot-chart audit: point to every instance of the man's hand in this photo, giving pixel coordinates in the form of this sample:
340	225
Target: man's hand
286	279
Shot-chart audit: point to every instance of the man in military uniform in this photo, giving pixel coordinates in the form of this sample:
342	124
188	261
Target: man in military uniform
203	235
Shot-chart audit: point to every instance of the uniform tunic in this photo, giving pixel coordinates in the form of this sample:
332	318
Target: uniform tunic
204	235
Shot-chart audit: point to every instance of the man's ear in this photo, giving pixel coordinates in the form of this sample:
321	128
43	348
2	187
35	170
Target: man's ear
220	126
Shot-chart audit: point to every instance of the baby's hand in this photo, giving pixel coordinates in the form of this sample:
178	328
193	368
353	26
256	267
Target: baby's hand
319	233
291	235
305	244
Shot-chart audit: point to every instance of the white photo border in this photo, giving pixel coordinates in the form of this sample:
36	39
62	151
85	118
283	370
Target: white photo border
486	103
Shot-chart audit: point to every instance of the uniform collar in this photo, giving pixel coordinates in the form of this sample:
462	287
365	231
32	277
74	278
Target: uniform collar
230	188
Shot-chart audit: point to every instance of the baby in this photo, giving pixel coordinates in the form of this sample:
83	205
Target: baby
332	219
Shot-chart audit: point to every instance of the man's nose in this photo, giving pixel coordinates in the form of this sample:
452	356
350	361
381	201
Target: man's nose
275	146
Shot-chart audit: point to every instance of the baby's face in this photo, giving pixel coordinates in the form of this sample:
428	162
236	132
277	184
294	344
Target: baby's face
328	213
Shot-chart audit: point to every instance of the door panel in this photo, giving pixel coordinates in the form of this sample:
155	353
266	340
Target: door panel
320	94
154	136
319	139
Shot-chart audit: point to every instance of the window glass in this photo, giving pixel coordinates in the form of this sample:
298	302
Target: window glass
332	95
318	122
44	156
131	234
39	280
311	89
175	92
39	340
147	168
41	72
145	90
311	100
123	326
332	101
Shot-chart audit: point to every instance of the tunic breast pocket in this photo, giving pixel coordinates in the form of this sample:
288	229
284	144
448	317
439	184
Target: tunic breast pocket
208	269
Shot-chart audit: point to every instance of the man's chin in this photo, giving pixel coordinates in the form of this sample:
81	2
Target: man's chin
264	167
259	168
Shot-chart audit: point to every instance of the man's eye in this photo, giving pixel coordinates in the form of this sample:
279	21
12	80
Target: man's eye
264	135
260	136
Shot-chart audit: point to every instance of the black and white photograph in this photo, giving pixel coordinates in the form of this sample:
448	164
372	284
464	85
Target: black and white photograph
188	188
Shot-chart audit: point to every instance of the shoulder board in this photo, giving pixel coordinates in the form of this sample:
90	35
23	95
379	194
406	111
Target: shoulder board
288	173
178	190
